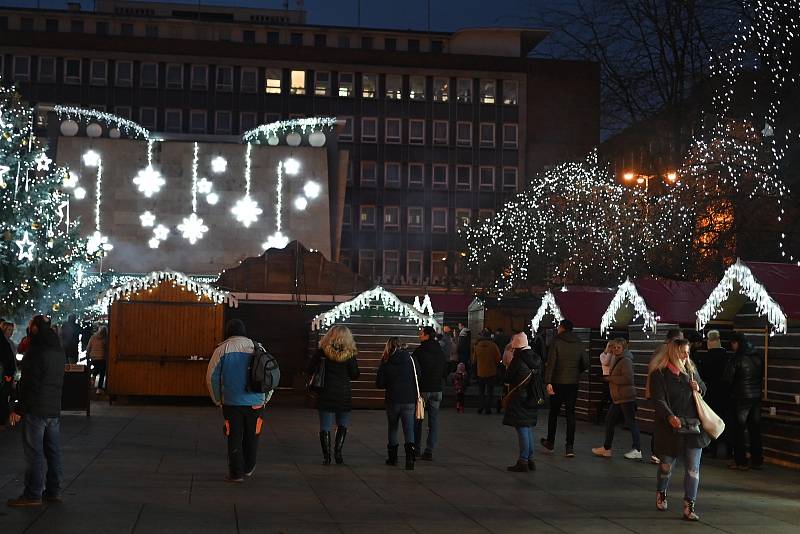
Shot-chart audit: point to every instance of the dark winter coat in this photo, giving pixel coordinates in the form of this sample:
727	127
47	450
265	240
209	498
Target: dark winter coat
745	372
522	408
396	376
712	369
70	337
566	359
42	376
8	360
672	395
620	379
340	368
430	365
464	347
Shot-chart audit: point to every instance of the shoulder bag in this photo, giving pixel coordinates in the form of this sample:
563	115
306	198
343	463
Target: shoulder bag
712	424
690	426
317	381
419	412
504	402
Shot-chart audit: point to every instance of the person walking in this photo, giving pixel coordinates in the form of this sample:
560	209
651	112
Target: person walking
39	410
445	339
337	353
226	380
677	431
566	360
485	357
97	350
623	397
429	361
745	373
712	369
70	338
460	383
672	334
522	408
8	369
605	394
396	375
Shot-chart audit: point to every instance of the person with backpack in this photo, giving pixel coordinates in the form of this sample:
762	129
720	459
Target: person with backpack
396	375
336	360
228	383
526	391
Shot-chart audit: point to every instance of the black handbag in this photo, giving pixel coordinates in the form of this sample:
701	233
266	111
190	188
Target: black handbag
690	426
317	380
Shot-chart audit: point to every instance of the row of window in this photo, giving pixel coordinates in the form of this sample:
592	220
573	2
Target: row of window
272	38
276	81
440	175
415	218
391	264
440	132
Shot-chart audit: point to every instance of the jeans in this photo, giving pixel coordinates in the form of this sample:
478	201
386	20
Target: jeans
326	419
525	437
242	427
100	372
691	472
432	401
566	394
486	392
397	413
41	441
617	412
748	421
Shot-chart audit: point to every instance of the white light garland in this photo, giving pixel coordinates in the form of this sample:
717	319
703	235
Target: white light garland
550	305
133	285
305	125
276	240
246	210
128	126
627	293
426	307
383	298
739	276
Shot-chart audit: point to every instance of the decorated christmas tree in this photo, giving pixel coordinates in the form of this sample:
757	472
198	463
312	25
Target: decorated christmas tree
42	256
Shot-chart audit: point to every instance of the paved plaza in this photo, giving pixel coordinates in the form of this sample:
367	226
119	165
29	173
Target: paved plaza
150	469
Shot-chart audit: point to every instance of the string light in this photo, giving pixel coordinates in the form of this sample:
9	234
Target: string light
131	128
246	210
548	306
128	286
385	299
304	125
627	293
426	307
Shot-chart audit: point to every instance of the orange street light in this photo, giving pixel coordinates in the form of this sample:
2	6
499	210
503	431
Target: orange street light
672	176
628	176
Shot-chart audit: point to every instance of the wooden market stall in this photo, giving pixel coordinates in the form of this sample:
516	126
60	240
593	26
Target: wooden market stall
762	300
642	311
163	330
584	306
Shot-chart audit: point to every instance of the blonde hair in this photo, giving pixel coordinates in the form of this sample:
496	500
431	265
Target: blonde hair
672	353
338	339
713	339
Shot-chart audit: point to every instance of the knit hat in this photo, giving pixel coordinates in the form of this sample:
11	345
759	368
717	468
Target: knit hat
519	341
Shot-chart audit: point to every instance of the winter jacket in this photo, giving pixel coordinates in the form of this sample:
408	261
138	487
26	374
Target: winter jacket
42	376
446	342
620	379
672	395
396	376
341	367
70	337
96	349
430	365
745	372
464	348
712	368
8	357
228	370
566	359
522	407
486	354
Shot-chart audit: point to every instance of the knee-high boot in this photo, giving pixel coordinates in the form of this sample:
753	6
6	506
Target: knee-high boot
325	443
341	433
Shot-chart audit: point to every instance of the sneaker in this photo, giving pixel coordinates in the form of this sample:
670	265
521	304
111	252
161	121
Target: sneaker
548	445
250	473
654	459
229	478
603	452
633	454
688	511
23	502
661	501
570	452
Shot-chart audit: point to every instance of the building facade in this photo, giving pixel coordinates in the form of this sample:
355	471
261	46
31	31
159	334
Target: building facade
440	128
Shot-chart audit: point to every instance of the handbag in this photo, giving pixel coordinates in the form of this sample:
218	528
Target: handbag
317	381
419	412
712	424
506	400
690	426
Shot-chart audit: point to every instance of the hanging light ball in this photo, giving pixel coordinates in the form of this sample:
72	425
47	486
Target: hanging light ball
94	130
273	140
56	306
35	226
69	128
316	139
114	133
293	139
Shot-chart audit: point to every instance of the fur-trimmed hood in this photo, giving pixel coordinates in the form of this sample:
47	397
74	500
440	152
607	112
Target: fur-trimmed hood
337	353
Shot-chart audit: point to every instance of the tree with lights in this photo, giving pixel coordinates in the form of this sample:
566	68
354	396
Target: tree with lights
42	257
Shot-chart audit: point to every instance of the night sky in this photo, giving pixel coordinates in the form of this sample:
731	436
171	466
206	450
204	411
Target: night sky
446	15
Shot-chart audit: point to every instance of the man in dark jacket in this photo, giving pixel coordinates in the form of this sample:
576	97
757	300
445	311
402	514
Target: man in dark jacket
566	360
39	409
745	373
429	360
8	367
70	337
712	368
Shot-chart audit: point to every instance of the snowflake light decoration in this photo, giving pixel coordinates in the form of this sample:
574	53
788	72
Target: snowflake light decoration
192	228
97	242
276	240
147	219
219	164
246	210
161	232
149	181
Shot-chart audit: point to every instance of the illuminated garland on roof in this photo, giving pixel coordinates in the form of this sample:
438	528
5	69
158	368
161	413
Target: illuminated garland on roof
426	306
749	286
627	293
385	299
131	128
134	285
548	304
301	126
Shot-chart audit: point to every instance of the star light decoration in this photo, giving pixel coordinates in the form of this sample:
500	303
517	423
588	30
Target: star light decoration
42	162
149	181
219	164
3	170
147	219
192	228
383	298
204	186
26	247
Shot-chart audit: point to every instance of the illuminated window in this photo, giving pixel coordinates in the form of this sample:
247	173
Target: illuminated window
391	218
416	86
298	86
440	89
273	78
346	84
463	218
510	92
394	86
464	90
367	217
369	85
415	219
488	91
322	83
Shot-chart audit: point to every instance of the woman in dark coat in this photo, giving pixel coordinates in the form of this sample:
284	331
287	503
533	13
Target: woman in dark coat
337	353
521	410
673	381
396	376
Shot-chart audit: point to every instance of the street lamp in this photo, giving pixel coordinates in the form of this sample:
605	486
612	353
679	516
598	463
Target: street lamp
670	178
